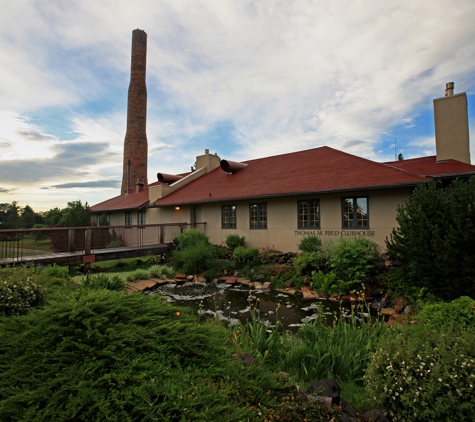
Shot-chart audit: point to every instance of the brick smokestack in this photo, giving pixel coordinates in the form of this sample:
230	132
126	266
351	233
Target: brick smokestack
135	143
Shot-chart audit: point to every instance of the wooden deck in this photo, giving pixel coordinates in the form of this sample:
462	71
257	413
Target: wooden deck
79	257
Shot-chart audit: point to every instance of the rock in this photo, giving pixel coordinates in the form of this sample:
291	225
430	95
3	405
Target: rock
231	280
308	293
190	278
375	416
200	278
347	409
257	285
266	285
244	282
327	387
288	285
388	311
302	396
244	357
322	295
180	277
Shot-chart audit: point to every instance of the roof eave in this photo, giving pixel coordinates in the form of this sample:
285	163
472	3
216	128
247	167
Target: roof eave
302	193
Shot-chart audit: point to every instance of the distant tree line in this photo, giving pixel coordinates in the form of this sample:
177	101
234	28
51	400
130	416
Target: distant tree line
12	216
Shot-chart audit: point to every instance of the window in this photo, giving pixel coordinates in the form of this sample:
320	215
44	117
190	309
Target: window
128	218
309	214
355	213
258	216
141	218
228	216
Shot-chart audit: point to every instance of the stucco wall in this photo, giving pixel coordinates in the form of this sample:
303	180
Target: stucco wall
282	226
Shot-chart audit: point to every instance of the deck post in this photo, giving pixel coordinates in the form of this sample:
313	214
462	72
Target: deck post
71	240
87	247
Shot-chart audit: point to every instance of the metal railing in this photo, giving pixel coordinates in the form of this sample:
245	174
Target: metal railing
18	244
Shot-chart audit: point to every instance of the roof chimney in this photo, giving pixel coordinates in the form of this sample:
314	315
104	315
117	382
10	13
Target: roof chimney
449	89
139	185
451	126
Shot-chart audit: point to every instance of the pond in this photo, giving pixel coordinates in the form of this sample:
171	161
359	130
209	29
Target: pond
218	300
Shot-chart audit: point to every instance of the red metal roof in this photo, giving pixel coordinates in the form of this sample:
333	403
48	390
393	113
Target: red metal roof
428	166
317	170
132	200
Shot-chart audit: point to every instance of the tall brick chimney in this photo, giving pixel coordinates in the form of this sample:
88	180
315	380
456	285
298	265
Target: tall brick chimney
135	143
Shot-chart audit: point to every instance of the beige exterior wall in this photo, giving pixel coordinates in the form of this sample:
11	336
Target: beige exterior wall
282	226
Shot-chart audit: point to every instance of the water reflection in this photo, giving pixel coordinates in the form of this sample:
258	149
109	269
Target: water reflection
234	303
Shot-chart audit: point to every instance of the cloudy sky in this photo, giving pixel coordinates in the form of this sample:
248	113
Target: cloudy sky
243	78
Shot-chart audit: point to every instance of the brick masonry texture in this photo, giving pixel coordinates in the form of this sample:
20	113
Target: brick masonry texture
135	143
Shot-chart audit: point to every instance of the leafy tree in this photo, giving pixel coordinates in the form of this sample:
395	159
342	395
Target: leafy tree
10	215
400	157
29	217
435	240
53	216
76	215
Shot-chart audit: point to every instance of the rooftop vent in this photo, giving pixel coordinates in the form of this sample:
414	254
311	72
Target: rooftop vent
168	178
232	166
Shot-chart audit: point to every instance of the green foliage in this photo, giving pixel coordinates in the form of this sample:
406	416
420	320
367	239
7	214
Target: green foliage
234	240
191	237
76	214
254	337
460	312
310	243
138	275
435	237
320	350
424	374
194	259
351	260
324	282
246	257
308	262
21	288
101	355
57	271
162	271
115	243
217	267
103	281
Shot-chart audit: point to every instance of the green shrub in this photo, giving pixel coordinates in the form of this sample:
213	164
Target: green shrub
101	355
246	257
234	240
57	271
319	350
191	237
308	262
20	289
351	260
194	259
162	271
115	243
310	243
434	239
324	282
102	281
424	374
460	312
217	267
138	275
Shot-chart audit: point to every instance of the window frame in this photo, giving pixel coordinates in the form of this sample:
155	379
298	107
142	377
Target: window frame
261	210
354	220
128	219
231	211
141	221
308	225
